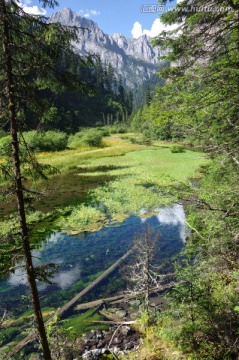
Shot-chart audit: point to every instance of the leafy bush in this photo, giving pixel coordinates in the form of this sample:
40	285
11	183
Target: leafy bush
104	130
177	149
46	141
86	137
142	140
133	140
38	141
118	129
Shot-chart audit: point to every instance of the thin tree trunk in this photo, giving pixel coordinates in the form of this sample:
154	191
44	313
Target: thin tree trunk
18	181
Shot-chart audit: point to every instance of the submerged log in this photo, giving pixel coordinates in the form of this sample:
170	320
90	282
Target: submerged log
63	311
120	298
99	302
103	276
114	322
110	316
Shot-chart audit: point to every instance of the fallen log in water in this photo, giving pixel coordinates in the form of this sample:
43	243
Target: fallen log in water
120	298
63	311
110	316
97	303
105	274
114	322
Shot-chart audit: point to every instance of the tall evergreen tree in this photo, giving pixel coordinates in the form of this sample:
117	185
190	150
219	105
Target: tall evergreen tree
121	90
148	95
30	61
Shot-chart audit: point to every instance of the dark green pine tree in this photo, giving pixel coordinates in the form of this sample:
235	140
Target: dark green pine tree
148	96
121	91
130	101
31	56
99	73
109	78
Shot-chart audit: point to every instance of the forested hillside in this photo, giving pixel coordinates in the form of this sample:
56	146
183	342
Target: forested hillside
98	98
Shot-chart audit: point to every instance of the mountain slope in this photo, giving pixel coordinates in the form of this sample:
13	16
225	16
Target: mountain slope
135	60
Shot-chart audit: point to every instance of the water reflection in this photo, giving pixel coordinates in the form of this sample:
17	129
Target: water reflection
170	215
63	279
81	256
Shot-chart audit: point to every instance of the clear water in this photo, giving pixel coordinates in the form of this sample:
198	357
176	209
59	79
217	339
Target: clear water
81	256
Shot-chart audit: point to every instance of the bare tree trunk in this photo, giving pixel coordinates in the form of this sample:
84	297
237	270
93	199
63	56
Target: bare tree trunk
147	277
10	89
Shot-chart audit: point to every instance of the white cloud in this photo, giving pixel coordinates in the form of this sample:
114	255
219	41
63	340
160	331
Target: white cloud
156	28
33	10
137	30
89	13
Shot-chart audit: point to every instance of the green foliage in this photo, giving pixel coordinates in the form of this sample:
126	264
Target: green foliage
105	131
200	99
46	140
78	324
5	145
82	218
177	149
127	193
2	133
155	126
9	334
51	117
117	129
86	137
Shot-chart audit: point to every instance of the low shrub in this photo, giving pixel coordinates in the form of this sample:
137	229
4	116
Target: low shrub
143	140
46	141
104	130
86	137
37	141
133	140
177	149
118	129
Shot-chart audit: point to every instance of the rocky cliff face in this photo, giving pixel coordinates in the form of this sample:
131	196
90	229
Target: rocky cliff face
133	59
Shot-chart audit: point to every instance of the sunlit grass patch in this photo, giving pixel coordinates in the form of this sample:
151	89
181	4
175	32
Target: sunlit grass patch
79	324
128	192
70	159
122	177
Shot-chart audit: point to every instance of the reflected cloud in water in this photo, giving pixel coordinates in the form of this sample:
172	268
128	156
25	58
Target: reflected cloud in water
171	215
63	279
76	258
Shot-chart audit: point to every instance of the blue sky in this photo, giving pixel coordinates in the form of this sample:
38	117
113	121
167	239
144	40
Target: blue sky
130	18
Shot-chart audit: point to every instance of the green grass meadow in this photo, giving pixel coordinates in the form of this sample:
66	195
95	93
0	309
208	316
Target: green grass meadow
118	179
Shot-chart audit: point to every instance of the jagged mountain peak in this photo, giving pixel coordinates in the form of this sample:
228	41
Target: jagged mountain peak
135	60
68	17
